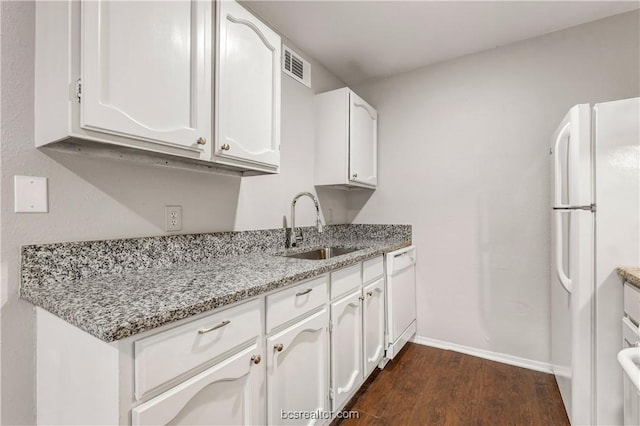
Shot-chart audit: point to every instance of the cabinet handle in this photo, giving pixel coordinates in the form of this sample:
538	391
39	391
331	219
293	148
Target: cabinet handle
361	297
303	292
201	141
278	347
256	359
215	327
225	147
355	175
369	293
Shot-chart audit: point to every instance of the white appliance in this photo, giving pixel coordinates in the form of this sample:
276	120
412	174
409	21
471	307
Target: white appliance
595	228
401	299
629	359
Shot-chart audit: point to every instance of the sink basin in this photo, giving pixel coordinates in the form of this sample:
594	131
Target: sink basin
323	253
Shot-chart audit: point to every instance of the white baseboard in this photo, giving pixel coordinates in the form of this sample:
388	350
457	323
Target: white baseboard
544	367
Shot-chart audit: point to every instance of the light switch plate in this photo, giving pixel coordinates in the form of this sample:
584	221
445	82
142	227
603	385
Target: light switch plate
30	194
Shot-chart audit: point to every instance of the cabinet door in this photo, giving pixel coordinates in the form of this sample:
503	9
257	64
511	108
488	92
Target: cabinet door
373	325
248	88
297	371
229	393
363	141
146	71
346	348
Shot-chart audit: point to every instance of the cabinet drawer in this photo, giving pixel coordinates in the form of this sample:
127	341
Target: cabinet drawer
291	303
632	302
372	269
164	356
345	280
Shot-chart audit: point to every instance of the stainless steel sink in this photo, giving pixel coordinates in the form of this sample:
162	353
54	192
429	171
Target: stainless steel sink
324	253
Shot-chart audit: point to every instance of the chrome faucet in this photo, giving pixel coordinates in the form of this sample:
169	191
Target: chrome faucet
293	238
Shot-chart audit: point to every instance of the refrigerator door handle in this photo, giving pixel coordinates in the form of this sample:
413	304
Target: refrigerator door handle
557	172
562	276
590	207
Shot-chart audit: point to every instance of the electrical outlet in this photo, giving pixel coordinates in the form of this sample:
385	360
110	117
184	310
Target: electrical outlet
172	218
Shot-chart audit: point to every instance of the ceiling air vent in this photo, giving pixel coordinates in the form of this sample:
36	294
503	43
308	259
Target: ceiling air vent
296	67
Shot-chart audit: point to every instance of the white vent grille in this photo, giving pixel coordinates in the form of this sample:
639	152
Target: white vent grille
296	67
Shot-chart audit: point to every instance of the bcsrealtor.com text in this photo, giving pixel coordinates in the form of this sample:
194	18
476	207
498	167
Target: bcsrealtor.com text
318	414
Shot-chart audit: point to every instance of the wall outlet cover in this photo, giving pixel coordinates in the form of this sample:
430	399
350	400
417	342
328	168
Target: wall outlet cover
172	218
30	194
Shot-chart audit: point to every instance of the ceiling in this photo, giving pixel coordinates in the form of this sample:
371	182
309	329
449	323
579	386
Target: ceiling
362	40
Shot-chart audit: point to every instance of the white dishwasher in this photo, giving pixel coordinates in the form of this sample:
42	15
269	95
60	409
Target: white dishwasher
401	299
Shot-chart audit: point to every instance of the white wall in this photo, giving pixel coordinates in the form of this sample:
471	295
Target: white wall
463	148
97	199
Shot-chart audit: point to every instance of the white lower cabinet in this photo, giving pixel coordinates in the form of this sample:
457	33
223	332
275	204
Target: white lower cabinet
289	357
357	328
346	348
229	393
297	371
373	325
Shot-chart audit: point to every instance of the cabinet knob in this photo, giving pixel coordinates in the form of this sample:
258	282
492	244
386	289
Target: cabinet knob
201	140
355	175
279	347
369	293
361	297
225	147
256	359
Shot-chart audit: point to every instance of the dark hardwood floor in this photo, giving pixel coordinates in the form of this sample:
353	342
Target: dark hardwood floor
429	386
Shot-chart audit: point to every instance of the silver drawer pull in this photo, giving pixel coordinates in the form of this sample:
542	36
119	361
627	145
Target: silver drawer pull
369	293
215	327
303	292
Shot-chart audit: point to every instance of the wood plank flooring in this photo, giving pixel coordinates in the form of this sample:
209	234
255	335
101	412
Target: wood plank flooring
429	386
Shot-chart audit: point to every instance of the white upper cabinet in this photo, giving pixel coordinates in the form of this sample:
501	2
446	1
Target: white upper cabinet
248	87
146	70
346	140
141	74
363	137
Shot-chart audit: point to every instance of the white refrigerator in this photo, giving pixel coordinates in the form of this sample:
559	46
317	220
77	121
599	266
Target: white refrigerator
595	227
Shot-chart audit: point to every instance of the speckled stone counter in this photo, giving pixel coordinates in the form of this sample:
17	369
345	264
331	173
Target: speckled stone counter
631	275
118	288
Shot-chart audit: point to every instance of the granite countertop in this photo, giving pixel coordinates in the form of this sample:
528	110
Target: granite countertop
116	306
631	275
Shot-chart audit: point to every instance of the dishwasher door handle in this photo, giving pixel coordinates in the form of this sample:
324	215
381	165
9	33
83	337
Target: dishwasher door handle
400	260
397	271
